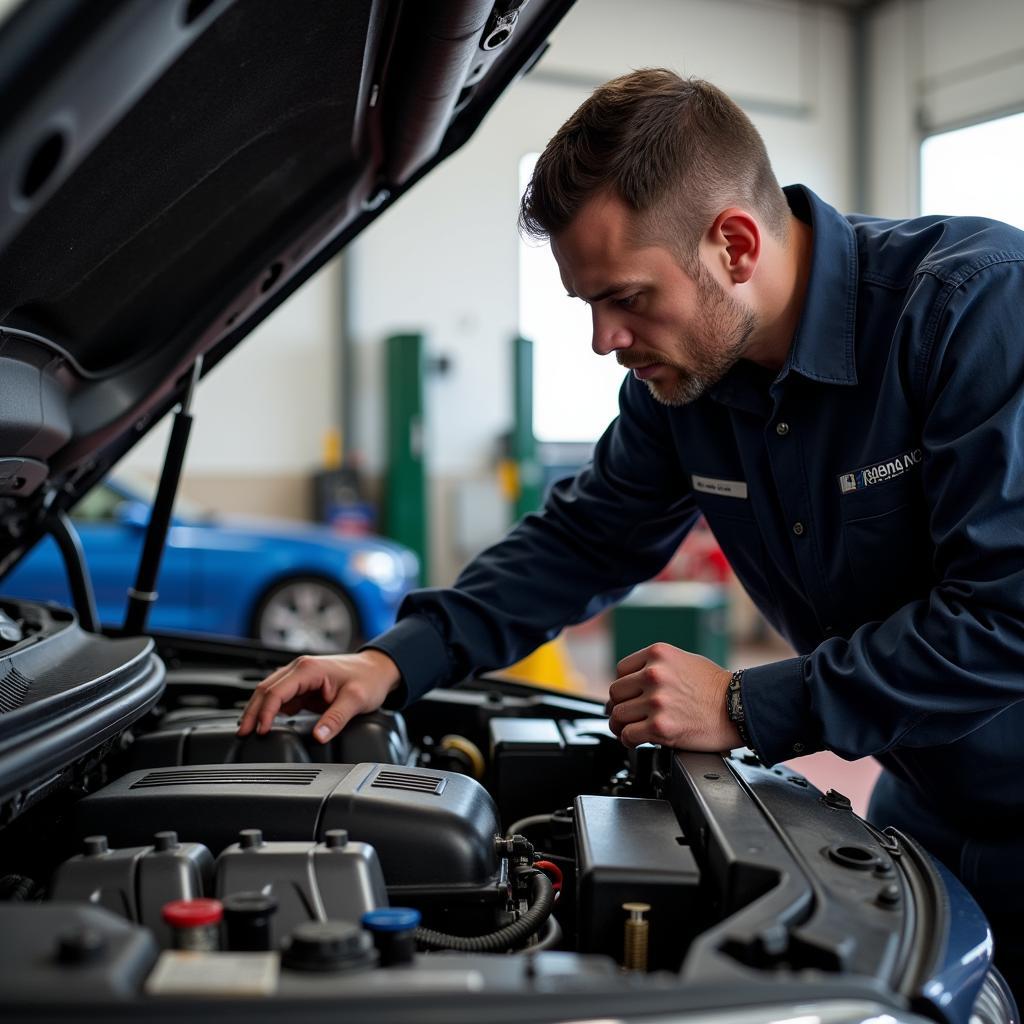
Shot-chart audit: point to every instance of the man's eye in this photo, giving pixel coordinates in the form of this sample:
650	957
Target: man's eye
628	302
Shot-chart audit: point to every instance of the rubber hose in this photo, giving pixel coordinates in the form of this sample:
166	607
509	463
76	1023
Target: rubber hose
524	823
551	937
541	904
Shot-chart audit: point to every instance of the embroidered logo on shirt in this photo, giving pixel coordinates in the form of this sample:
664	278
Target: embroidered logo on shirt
730	488
880	472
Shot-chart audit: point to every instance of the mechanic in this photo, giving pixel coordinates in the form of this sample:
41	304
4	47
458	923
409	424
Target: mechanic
841	397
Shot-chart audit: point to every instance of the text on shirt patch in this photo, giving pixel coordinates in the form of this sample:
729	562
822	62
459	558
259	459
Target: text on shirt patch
880	472
730	488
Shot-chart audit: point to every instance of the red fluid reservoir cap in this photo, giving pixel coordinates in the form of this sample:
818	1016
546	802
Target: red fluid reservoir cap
192	913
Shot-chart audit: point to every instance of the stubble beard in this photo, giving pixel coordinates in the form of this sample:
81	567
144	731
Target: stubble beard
713	350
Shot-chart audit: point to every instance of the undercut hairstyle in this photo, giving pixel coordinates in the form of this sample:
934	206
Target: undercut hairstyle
676	150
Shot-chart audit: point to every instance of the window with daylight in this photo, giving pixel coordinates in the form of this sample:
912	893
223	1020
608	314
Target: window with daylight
975	171
575	393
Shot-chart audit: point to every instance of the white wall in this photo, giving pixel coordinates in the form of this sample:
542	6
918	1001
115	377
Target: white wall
266	408
934	65
444	259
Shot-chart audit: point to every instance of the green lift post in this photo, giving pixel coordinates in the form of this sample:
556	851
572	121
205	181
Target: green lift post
405	492
523	447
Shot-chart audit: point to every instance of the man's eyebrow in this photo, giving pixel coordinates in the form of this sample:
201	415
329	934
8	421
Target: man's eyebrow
620	287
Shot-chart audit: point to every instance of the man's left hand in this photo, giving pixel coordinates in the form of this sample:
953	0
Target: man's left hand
668	696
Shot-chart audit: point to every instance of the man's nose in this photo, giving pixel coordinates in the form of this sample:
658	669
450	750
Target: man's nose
609	335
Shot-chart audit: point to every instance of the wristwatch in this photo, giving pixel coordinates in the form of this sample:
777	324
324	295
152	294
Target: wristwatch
734	707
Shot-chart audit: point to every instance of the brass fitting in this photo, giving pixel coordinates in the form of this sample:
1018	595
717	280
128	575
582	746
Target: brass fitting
636	936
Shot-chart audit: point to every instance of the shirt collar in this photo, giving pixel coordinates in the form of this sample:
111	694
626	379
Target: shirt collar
823	346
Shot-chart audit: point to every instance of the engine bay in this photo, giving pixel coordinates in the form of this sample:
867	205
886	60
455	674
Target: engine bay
491	839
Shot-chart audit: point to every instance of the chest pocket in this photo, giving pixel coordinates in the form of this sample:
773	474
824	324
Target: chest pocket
888	544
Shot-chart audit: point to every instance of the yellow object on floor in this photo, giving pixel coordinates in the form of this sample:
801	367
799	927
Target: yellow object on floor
550	666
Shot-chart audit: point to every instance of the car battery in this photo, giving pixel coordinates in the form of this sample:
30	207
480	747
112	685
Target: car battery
136	882
336	880
540	765
632	850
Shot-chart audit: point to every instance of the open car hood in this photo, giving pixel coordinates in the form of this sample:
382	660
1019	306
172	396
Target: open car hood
171	172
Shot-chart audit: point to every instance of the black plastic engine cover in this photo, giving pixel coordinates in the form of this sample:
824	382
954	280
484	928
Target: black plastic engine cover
429	828
204	736
69	953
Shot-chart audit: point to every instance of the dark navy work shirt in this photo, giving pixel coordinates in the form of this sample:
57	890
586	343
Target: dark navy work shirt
869	496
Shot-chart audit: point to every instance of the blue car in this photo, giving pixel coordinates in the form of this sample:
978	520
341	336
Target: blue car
290	585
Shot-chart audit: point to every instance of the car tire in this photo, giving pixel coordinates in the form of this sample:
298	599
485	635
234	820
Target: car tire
307	614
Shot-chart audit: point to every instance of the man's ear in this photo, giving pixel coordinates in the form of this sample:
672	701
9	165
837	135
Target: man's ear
735	238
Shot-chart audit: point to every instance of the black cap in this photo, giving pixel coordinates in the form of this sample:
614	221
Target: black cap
329	946
249	904
95	846
247	916
250	838
164	841
336	838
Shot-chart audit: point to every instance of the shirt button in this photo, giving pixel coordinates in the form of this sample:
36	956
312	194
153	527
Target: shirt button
798	529
782	429
798	748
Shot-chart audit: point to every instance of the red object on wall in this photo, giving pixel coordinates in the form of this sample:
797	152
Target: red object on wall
699	558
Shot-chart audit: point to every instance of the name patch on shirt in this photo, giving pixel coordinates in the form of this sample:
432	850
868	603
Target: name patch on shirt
729	488
880	472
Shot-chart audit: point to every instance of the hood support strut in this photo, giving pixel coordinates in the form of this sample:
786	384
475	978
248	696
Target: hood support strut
62	530
70	545
143	594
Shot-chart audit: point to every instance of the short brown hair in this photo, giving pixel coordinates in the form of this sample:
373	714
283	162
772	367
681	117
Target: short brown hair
677	150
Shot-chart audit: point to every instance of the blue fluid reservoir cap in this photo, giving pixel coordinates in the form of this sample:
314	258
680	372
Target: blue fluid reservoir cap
391	919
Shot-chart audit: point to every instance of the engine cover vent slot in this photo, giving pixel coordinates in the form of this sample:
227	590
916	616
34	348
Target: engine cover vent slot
409	782
13	690
229	777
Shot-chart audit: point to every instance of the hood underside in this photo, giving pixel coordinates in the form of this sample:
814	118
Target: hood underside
172	171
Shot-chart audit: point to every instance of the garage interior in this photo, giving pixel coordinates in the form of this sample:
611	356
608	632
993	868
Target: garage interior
196	819
867	103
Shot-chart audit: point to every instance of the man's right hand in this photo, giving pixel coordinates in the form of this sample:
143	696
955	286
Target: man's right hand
340	685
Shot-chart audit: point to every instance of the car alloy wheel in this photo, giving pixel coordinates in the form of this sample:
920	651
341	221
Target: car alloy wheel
306	614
